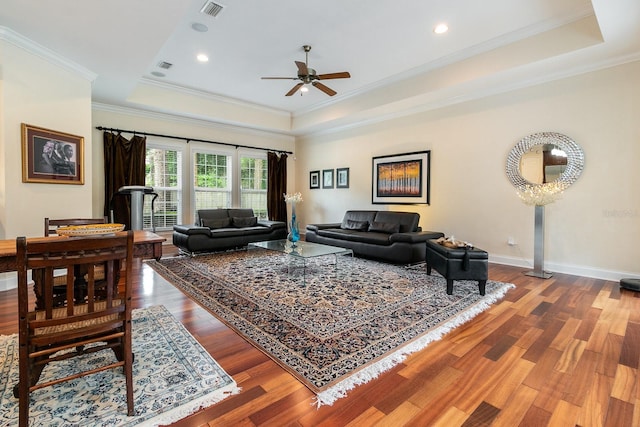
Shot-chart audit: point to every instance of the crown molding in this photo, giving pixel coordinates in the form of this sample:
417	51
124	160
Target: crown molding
12	37
470	52
538	79
212	97
166	117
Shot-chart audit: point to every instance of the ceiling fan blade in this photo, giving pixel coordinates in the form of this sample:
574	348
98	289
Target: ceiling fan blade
279	78
294	89
324	88
302	68
341	75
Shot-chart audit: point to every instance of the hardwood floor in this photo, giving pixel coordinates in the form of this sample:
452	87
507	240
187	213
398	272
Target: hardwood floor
560	352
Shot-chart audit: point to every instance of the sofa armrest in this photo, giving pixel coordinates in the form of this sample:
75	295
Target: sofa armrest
272	224
316	227
415	236
190	230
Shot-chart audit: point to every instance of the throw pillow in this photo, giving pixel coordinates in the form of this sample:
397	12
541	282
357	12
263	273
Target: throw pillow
385	227
355	225
245	221
216	223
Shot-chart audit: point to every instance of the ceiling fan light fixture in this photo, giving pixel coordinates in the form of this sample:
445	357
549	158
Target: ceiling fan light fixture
441	28
308	76
202	57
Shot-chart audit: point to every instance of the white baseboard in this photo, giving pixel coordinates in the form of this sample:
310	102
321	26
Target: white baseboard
575	270
8	281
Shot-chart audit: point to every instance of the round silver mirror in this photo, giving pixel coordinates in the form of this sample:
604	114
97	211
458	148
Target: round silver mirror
546	160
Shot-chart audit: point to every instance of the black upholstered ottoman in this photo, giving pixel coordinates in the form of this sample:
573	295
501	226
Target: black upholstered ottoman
631	284
458	264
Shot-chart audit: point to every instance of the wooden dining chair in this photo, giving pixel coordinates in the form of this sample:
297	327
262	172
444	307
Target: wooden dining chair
51	229
79	327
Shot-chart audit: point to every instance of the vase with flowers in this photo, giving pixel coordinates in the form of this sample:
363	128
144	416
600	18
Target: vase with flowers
294	232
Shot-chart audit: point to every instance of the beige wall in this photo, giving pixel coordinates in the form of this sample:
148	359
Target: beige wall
37	92
41	94
592	230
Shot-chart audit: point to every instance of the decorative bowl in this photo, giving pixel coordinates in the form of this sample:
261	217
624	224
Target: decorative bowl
89	230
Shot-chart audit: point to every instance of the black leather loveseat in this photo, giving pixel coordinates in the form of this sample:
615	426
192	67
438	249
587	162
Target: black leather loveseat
220	229
383	235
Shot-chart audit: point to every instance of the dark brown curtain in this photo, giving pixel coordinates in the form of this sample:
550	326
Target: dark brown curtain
277	186
124	164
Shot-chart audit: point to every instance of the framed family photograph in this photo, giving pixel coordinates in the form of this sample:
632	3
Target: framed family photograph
51	157
342	178
314	179
327	178
401	179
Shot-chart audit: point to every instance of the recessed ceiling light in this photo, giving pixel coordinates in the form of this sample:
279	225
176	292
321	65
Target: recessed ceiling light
202	57
201	28
441	28
157	74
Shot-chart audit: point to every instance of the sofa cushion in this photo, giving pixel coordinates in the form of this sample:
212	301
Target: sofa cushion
237	212
356	236
216	223
211	214
355	225
237	232
408	220
359	216
384	227
244	221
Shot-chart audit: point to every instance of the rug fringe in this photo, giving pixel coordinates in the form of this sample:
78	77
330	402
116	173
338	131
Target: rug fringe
340	390
5	338
184	411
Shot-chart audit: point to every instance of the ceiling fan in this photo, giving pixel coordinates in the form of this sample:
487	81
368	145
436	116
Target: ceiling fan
308	75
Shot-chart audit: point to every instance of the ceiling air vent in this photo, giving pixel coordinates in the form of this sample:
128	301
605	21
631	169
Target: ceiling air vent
212	9
165	65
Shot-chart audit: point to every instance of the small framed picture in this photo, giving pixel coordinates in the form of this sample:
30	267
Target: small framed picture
314	179
327	178
51	157
342	178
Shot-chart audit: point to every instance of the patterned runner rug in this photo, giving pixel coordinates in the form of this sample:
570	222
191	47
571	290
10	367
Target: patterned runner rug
173	377
332	326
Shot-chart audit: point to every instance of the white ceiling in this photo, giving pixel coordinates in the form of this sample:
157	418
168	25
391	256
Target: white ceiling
382	43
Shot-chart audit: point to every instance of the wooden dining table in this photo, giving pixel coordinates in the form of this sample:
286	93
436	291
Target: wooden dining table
146	245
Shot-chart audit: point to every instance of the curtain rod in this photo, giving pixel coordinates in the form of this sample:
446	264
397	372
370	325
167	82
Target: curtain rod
135	132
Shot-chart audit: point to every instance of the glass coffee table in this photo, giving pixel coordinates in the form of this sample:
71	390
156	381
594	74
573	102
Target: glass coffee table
302	251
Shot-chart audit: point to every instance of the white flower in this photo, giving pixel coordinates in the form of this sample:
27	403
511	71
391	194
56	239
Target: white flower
293	198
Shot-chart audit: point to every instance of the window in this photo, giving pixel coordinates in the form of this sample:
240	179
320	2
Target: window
212	180
163	172
206	178
253	184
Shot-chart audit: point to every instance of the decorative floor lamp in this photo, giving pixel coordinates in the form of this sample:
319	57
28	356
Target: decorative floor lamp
538	246
538	190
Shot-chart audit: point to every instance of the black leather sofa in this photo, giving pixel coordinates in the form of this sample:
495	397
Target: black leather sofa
220	229
388	236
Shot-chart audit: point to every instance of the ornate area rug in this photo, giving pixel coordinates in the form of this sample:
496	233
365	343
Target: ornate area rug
341	326
173	377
